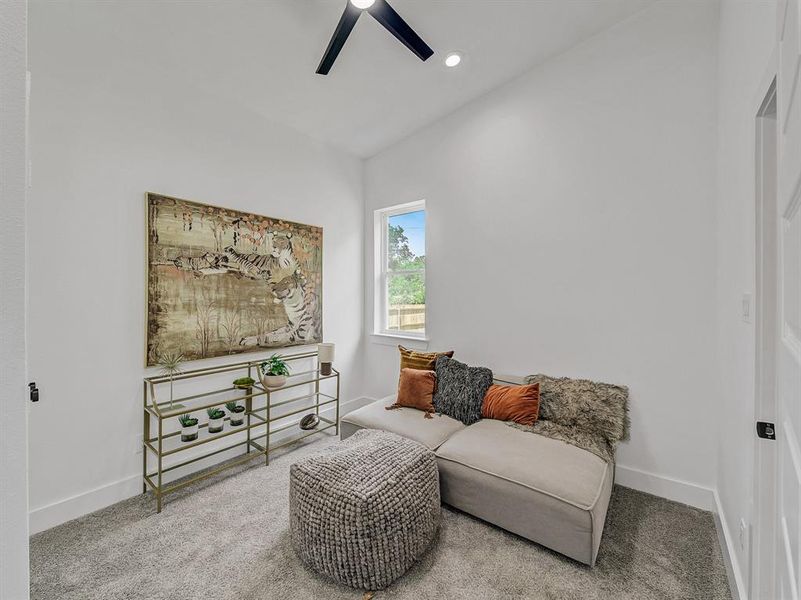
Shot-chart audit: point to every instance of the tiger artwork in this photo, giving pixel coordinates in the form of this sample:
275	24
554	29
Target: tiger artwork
252	265
301	306
264	266
300	303
222	281
208	261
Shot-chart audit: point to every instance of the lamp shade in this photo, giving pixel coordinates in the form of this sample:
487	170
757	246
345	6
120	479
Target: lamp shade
325	353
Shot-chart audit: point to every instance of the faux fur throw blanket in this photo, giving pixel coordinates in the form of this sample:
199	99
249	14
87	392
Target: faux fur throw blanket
587	414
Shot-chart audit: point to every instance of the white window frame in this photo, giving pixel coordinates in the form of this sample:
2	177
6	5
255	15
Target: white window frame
381	267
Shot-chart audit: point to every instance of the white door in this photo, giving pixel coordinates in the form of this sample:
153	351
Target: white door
788	384
762	580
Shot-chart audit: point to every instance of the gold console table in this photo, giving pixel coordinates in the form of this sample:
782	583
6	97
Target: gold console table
253	435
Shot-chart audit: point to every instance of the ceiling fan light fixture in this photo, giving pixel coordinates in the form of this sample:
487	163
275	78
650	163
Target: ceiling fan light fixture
453	59
387	17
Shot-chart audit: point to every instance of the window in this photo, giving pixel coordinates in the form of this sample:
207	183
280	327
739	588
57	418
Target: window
400	299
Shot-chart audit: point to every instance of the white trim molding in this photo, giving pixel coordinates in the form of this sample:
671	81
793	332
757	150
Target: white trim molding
677	490
391	339
739	591
697	496
61	511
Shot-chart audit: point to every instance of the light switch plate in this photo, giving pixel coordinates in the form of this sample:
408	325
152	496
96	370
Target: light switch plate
747	307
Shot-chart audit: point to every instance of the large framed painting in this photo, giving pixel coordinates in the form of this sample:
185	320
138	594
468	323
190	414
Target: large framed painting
221	281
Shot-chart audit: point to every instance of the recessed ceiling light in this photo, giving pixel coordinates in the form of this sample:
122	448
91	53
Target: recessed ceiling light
362	3
452	60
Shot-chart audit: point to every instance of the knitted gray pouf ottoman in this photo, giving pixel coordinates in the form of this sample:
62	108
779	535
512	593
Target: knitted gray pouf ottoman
365	511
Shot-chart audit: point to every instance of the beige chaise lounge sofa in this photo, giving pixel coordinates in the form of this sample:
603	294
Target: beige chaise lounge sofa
543	489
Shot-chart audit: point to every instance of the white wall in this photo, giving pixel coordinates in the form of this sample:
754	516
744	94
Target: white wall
107	127
570	231
746	41
13	398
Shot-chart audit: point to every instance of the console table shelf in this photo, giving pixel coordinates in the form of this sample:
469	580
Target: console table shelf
260	422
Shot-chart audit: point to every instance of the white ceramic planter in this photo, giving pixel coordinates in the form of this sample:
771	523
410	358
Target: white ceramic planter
189	433
237	417
273	381
216	425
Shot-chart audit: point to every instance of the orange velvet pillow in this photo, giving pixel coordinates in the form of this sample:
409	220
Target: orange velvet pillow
416	390
518	403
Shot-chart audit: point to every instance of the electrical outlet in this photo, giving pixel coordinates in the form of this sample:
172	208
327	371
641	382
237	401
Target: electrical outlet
138	441
747	307
743	535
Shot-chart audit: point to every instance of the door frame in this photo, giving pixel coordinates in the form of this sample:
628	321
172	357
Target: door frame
14	557
766	337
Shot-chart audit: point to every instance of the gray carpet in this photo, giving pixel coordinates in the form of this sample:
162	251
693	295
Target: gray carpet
228	538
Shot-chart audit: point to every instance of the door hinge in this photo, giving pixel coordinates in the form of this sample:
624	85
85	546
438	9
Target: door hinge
765	430
34	391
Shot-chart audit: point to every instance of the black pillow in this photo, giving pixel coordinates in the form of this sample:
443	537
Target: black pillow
460	389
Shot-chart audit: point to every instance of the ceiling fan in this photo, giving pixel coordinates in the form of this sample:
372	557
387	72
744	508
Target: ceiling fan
384	14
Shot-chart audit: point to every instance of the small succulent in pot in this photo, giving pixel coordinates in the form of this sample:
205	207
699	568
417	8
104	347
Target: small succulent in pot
216	416
188	428
236	412
274	371
244	383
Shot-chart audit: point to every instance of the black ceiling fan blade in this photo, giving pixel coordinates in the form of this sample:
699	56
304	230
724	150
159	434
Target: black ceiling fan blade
386	15
341	33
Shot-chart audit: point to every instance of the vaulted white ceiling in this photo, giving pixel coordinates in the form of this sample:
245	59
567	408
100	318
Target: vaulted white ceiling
263	54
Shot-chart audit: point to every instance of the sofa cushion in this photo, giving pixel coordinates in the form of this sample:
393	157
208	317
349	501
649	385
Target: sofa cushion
408	422
542	464
543	489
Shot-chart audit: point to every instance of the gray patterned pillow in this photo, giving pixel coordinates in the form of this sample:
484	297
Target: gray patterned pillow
460	389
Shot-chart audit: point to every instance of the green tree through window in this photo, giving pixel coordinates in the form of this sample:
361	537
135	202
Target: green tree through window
406	291
399	252
404	288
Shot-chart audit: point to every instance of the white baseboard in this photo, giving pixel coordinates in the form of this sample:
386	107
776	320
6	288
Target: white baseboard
48	516
45	517
666	487
693	495
739	591
61	511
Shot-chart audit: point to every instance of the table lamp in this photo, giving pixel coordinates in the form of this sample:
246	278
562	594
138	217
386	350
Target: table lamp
325	354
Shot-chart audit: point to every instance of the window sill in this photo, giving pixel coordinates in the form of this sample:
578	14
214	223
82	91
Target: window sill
393	339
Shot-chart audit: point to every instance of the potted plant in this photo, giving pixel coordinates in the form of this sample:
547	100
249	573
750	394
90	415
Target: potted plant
188	428
244	383
274	372
170	363
216	416
236	412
